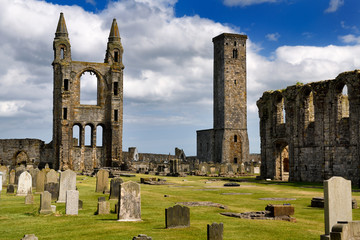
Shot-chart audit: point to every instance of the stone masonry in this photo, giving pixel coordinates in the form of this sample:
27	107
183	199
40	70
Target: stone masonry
228	141
310	132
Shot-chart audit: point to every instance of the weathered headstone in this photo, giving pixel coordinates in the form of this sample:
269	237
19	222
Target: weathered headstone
18	171
101	199
24	184
177	217
1	178
114	187
215	231
29	237
40	181
337	197
103	207
102	180
67	182
5	172
52	176
33	172
45	203
10	189
29	199
72	202
12	176
142	237
129	202
80	204
52	188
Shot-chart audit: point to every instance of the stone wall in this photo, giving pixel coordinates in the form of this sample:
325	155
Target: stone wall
311	132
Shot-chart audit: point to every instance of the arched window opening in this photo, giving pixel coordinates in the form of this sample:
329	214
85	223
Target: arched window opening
235	160
116	115
88	135
235	138
235	53
62	53
116	88
235	43
65	113
88	88
344	102
76	135
99	136
235	82
66	84
116	56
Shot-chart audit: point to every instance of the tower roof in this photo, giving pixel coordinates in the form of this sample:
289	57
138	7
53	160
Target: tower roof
61	30
114	32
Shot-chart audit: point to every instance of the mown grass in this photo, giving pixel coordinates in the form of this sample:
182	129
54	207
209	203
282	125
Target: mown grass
17	219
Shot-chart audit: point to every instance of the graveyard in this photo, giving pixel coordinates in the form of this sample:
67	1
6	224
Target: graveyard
208	197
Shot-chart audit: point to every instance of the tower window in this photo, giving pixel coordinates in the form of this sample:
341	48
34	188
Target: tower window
235	81
235	43
235	160
62	55
116	88
235	53
116	113
65	113
66	84
116	56
235	138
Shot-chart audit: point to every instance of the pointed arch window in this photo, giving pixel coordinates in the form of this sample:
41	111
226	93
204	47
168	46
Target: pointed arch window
88	88
235	53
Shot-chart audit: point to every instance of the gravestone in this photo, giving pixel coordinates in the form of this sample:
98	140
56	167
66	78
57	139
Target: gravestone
5	172
101	199
52	177
215	231
142	237
33	172
24	184
45	203
337	198
29	237
1	178
80	204
67	182
103	207
129	202
12	176
72	202
18	171
177	217
40	181
102	180
114	187
29	199
52	188
10	189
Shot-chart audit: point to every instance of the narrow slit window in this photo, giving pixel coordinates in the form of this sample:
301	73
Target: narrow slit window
66	84
65	113
235	81
116	88
62	53
235	53
116	115
235	160
235	43
235	138
116	56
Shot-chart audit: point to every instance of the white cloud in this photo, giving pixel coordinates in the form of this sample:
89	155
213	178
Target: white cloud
92	2
350	38
273	36
334	5
244	3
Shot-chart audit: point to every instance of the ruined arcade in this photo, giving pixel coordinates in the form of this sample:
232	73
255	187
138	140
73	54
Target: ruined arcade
310	132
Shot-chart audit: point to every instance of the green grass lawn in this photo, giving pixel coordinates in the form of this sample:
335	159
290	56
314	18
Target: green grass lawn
17	219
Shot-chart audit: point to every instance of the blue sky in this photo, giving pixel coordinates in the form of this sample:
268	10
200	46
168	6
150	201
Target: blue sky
168	58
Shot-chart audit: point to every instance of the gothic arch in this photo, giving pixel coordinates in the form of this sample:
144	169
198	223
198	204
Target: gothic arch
21	157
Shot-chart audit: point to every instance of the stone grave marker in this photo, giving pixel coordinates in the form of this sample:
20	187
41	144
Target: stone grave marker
80	204
10	189
24	184
103	207
129	202
40	181
5	172
18	171
52	188
45	203
72	202
177	217
29	199
101	199
102	180
33	172
12	176
142	237
67	182
337	198
114	187
52	177
29	237
215	231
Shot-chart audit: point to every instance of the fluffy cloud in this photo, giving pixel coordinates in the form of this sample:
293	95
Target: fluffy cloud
334	5
168	68
273	37
244	3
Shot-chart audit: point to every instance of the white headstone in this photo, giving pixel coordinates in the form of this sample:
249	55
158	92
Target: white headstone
337	198
24	184
67	182
129	202
72	202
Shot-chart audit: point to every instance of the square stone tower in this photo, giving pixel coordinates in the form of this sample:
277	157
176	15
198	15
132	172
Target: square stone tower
228	141
87	121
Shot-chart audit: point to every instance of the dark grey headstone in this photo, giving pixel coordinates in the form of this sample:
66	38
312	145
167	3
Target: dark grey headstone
215	231
80	204
101	199
177	216
231	184
52	188
45	203
10	189
114	187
